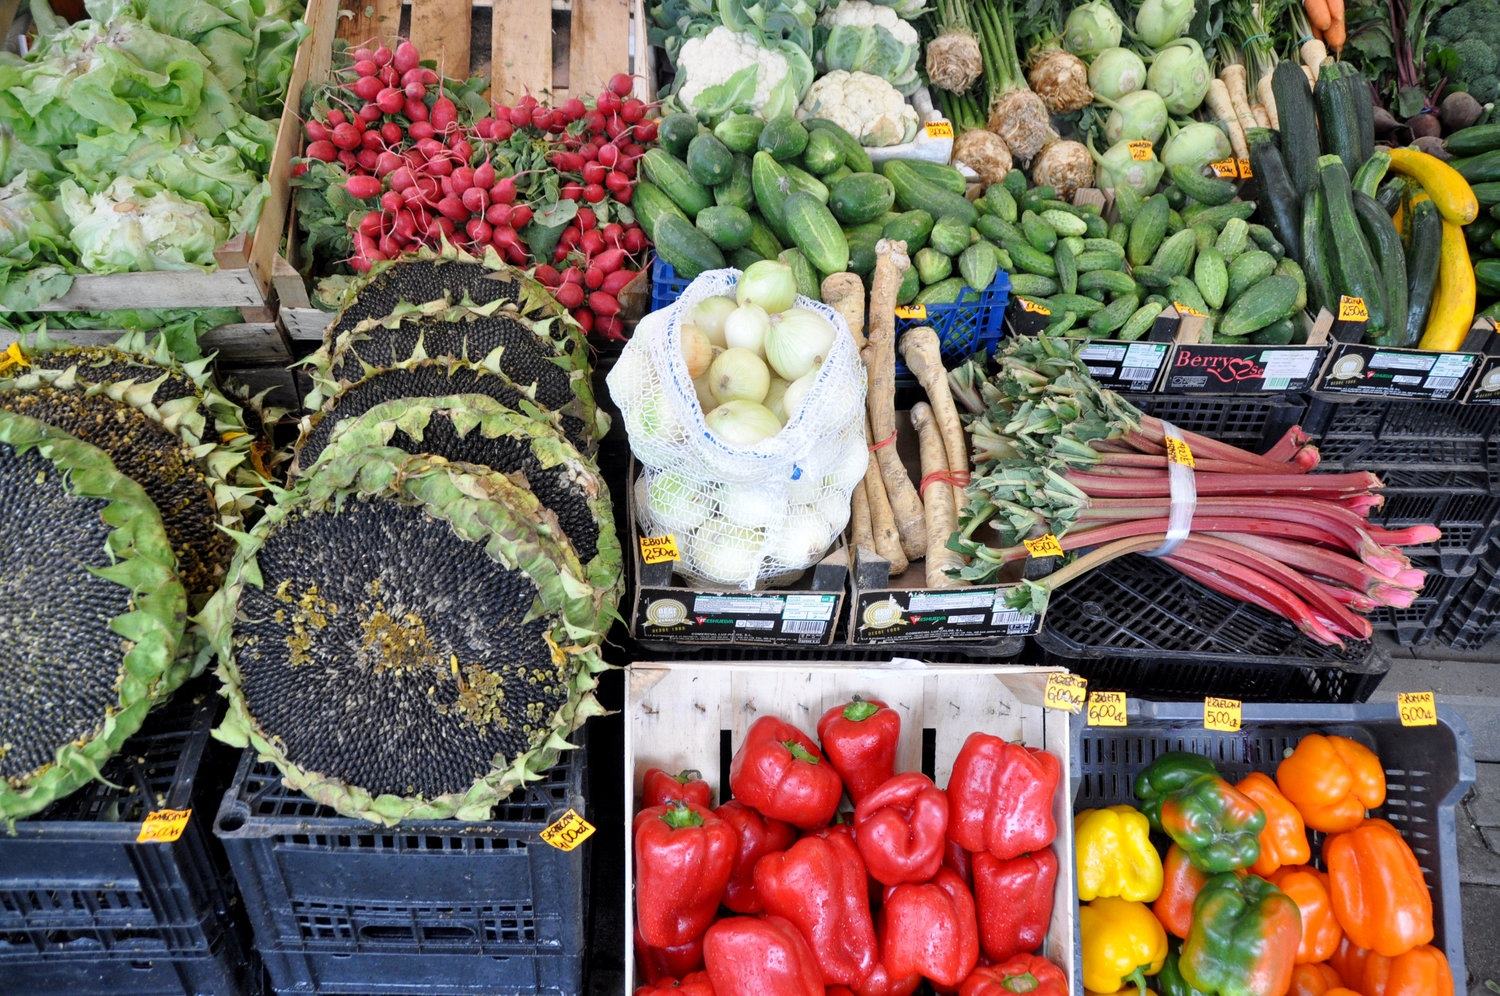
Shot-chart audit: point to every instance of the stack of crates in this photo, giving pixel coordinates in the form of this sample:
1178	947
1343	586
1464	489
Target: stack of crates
86	908
1440	461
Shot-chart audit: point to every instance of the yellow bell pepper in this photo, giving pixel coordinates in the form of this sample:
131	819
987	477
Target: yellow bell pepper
1095	992
1123	942
1115	855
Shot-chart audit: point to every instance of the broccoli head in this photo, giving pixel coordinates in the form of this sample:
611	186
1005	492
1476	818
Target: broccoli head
1476	59
1474	19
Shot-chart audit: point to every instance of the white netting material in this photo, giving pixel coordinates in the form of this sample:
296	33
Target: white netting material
742	516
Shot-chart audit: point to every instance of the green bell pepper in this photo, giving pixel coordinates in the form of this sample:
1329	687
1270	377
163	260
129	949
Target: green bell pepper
1244	937
1215	824
1169	981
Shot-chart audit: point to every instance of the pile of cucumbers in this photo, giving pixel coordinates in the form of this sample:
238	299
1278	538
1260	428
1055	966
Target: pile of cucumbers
1478	149
806	192
1190	245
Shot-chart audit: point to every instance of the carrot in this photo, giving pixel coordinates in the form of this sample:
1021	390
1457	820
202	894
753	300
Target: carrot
1336	35
1319	14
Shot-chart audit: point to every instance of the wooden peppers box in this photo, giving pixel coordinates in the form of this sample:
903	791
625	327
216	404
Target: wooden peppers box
666	609
691	714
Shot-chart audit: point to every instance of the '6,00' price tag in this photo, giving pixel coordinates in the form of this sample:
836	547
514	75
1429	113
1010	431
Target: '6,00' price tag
1417	708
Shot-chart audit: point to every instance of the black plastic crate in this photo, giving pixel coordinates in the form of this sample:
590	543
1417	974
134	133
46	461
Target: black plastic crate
1472	619
1465	504
1418	624
1428	769
79	897
367	906
1137	625
224	970
952	652
1377	433
377	974
1250	422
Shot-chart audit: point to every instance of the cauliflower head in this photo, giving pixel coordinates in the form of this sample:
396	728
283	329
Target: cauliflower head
865	106
726	71
860	36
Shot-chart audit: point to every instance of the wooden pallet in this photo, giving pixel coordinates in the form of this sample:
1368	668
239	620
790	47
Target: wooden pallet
246	264
694	714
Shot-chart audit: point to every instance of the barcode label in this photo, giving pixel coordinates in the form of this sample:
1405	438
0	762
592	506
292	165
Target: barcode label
796	627
1442	383
755	623
1137	373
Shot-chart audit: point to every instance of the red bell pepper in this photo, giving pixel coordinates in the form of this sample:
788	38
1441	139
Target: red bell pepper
656	964
683	854
779	773
819	886
659	788
760	956
758	837
1014	902
860	739
881	983
958	861
696	984
1000	797
901	828
930	930
1022	974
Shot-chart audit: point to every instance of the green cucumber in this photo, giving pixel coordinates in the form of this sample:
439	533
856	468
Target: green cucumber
1015	181
942	174
1027	257
913	192
860	197
1001	203
1064	223
1270	300
1184	292
802	271
1204	236
1083	307
1174	256
1218	216
1208	190
1149	276
1114	315
823	154
911	227
728	226
675	132
1474	140
1067	267
1111	281
1267	240
1128	203
802	180
1278	333
1211	276
1032	285
772	188
1118	233
1041	235
949	236
672	176
649	203
862	241
911	285
688	250
814	230
709	160
997	229
740	132
855	156
931	265
743	257
1093	259
1233	238
784	137
1148	230
1247	270
1291	268
1095	227
1141	320
737	191
942	292
763	241
979	264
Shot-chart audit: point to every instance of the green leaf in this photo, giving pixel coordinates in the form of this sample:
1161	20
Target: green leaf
1410	100
547	226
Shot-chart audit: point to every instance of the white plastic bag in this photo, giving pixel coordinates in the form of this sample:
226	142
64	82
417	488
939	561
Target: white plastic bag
741	515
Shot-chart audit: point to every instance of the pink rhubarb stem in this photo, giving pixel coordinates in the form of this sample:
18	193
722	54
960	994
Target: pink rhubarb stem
1236	581
1279	485
1296	582
1309	559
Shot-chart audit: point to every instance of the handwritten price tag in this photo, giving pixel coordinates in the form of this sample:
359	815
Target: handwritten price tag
1065	691
658	549
1188	309
1140	151
1226	169
1036	309
1106	708
938	129
1352	309
1043	546
1178	451
1221	714
163	826
917	311
569	831
1417	708
12	357
1245	172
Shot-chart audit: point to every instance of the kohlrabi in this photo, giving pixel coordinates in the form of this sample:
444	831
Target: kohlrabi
1120	168
1180	73
1157	22
1195	143
1116	72
1091	28
1136	115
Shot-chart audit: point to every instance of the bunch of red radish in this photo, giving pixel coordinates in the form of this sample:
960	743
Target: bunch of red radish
434	177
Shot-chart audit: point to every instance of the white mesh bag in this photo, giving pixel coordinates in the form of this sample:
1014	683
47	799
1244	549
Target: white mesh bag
742	516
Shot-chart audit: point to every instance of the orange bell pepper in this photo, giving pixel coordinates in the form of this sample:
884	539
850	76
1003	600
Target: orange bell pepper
1422	971
1182	882
1314	980
1341	991
1308	888
1284	840
1349	961
1378	892
1332	781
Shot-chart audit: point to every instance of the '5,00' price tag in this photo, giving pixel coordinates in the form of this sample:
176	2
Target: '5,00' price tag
1221	714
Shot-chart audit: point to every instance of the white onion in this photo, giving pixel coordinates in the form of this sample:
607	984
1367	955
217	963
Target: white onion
769	283
742	423
798	342
796	393
747	506
658	418
706	399
697	351
724	553
738	375
709	314
675	502
772	399
746	328
805	537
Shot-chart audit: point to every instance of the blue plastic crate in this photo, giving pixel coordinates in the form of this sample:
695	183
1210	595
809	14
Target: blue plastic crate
973	324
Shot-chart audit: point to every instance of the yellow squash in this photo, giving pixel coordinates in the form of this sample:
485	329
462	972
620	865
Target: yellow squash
1453	302
1446	186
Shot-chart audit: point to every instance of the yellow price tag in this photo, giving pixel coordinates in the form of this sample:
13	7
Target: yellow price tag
658	549
917	311
1417	708
1036	309
1221	714
1226	169
1188	309
1045	545
569	831
163	826
1065	691
1140	151
1178	451
1106	708
938	129
1246	173
1352	309
12	357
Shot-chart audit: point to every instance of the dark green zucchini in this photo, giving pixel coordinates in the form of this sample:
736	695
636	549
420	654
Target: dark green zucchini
1317	264
1425	240
1337	116
1276	203
1482	168
1362	99
1298	122
1358	275
1389	254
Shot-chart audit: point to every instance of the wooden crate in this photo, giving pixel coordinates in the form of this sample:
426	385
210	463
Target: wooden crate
694	715
550	48
246	264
